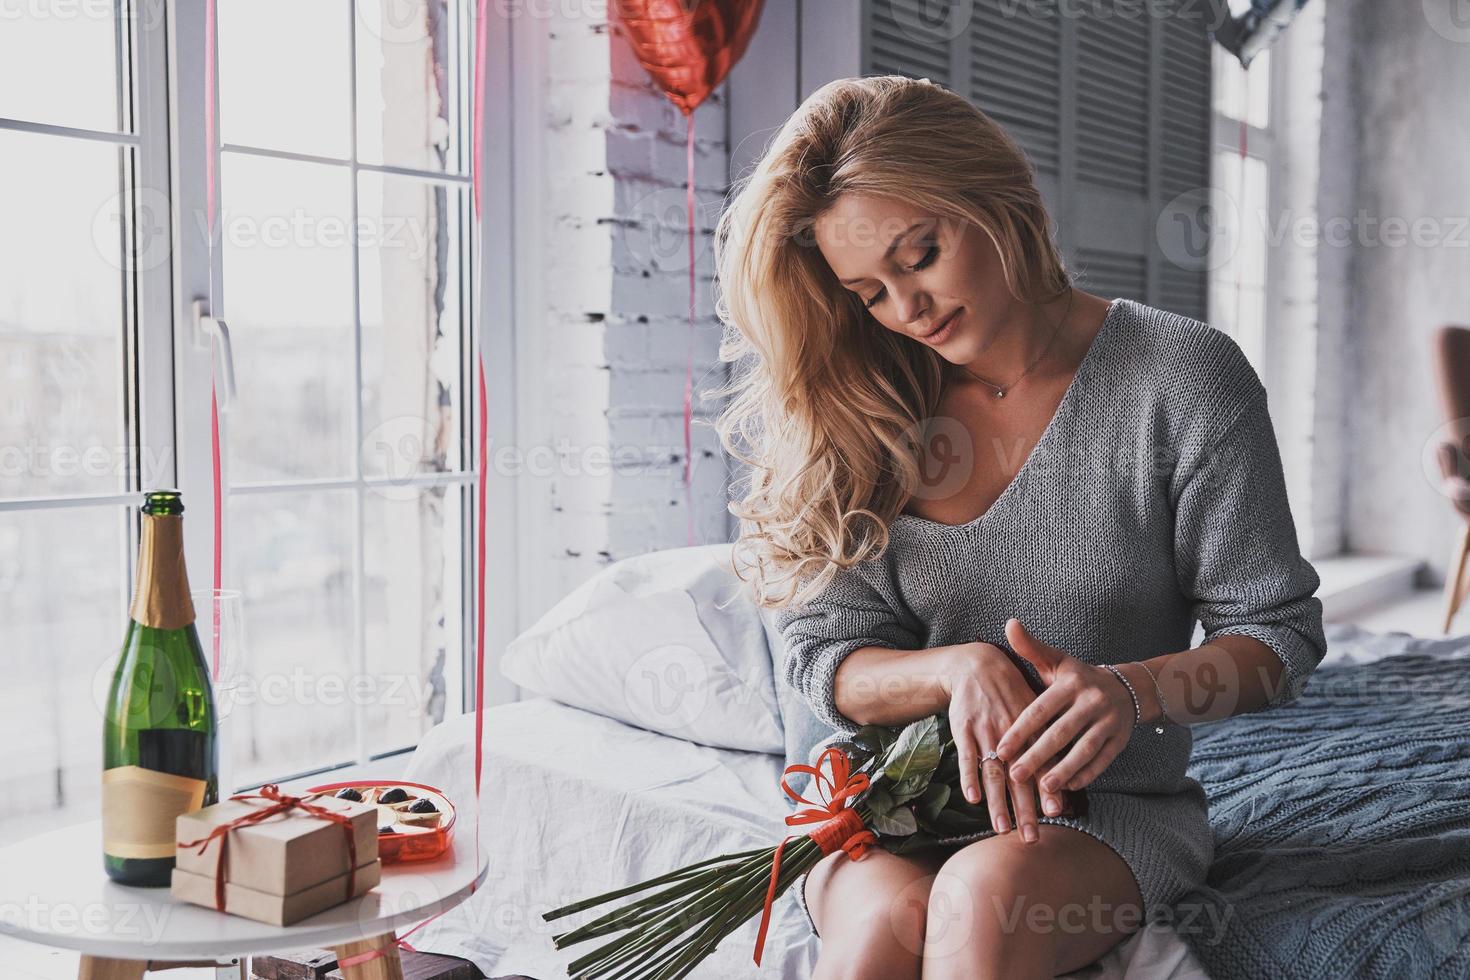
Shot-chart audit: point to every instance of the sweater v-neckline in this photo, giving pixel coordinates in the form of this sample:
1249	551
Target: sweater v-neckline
1063	406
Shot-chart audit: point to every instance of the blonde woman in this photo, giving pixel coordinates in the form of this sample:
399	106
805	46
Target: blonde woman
975	488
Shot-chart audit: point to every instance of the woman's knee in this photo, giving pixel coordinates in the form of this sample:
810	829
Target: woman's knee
1057	897
880	909
971	899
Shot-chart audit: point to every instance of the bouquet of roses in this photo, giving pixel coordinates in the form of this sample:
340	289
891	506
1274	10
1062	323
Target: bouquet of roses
898	789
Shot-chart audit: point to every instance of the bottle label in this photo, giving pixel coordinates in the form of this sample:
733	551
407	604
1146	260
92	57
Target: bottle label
139	807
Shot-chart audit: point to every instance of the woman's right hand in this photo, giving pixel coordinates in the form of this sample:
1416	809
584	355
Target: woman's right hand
986	692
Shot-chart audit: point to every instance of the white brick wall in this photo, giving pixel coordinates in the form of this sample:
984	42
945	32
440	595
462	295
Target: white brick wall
1339	142
614	273
1309	281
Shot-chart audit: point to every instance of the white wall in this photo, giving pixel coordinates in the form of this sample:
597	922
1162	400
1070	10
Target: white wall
1412	68
1314	121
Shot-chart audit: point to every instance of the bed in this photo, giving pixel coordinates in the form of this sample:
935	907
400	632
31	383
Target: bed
1342	828
575	804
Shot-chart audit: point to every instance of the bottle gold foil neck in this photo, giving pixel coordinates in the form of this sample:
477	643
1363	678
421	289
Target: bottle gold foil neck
162	598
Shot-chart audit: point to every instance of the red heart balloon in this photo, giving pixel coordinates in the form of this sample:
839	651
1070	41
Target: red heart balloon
688	46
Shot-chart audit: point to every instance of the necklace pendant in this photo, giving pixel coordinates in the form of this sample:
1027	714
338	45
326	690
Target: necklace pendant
1000	393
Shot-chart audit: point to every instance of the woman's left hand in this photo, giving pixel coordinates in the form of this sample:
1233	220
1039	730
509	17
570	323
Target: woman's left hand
1080	701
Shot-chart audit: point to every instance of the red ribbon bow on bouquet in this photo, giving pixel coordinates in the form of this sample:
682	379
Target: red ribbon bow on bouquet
280	803
840	826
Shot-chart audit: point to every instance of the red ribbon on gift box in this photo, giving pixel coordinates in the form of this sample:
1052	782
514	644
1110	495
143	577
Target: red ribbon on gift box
280	803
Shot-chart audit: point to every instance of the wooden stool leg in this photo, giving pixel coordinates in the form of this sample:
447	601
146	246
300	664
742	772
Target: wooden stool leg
102	968
1455	579
384	967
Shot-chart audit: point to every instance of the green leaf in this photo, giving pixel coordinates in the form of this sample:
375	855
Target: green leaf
879	801
874	739
911	787
933	800
948	770
952	823
959	804
915	752
908	845
899	822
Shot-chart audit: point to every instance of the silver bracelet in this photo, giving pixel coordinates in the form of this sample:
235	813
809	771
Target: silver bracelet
1137	712
1163	705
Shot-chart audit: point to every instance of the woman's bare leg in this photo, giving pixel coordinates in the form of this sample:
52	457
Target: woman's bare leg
1001	907
870	913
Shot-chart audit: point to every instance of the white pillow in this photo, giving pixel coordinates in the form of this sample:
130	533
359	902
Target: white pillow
646	642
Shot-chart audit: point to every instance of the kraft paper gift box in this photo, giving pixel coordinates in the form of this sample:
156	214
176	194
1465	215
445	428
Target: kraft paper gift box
281	869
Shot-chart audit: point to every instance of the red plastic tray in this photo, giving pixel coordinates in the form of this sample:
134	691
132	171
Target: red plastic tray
405	847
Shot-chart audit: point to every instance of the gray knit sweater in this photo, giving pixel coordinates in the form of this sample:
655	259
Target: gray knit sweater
1154	498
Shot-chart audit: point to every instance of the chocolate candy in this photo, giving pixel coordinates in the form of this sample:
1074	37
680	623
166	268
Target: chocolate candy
424	806
395	795
349	793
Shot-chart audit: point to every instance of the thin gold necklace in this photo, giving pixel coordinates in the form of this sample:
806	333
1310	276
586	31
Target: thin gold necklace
1001	392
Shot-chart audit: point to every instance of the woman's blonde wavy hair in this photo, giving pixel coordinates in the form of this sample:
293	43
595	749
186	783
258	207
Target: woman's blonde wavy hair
824	402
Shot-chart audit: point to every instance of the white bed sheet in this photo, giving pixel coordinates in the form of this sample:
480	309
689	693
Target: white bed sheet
574	804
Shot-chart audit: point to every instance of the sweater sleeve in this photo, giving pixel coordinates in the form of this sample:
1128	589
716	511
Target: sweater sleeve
1235	546
818	635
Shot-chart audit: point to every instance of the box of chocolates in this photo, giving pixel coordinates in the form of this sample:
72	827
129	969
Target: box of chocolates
415	821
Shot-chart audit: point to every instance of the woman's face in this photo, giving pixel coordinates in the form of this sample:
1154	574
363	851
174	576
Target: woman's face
913	269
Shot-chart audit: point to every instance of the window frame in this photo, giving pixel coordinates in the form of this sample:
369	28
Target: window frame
167	365
148	403
145	290
1261	145
199	274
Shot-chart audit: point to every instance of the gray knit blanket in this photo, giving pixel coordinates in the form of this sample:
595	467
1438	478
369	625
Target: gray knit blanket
1342	821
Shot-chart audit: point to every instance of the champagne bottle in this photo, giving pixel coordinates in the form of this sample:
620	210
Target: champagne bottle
160	756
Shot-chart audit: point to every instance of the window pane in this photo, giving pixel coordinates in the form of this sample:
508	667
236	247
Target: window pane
285	75
411	345
63	612
1243	223
413	600
285	232
61	318
58	64
291	558
407	92
1242	93
1239	250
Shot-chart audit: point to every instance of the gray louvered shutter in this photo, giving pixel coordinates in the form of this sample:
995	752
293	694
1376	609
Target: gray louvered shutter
1112	105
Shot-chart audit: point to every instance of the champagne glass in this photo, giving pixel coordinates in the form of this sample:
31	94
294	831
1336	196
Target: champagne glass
220	615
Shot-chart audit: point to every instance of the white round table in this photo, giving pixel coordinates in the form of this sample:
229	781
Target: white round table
53	891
